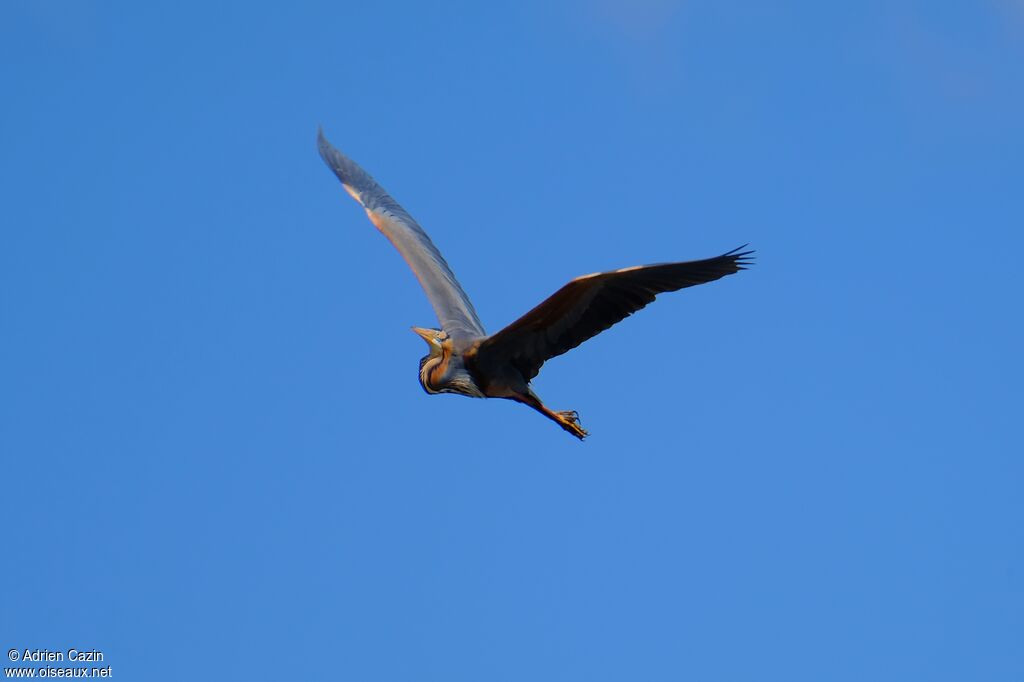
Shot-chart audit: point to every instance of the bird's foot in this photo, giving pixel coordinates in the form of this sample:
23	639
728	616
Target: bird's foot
570	421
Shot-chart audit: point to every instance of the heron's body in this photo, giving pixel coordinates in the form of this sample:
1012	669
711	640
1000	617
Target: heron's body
463	358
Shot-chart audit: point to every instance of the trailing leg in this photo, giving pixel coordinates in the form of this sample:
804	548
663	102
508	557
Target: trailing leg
567	419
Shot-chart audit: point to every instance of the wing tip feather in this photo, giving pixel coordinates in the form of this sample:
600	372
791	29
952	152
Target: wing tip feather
741	259
322	145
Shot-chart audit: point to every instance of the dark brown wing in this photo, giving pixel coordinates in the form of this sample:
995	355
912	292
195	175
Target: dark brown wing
588	305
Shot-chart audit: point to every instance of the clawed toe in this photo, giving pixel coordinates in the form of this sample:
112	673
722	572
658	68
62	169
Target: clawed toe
570	421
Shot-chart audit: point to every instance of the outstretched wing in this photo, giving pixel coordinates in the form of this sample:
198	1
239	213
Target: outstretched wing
588	305
454	309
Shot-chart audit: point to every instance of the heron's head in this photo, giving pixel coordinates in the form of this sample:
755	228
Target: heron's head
434	364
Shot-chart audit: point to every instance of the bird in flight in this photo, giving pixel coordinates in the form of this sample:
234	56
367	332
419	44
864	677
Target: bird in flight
462	357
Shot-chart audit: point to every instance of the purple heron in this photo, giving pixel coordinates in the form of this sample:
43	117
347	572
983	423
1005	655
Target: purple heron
463	358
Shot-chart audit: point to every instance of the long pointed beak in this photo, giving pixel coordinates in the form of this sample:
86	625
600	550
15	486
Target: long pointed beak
425	334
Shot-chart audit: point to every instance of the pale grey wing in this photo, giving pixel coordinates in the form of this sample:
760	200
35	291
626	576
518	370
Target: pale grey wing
454	309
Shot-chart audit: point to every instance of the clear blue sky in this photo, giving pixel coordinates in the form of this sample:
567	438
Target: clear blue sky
217	461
